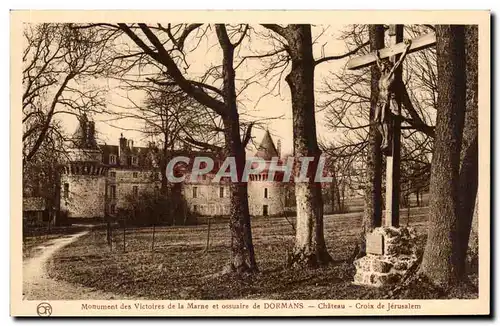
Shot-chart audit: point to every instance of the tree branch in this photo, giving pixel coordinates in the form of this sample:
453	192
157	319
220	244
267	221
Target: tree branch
165	59
235	45
48	120
248	135
342	56
282	31
415	120
201	144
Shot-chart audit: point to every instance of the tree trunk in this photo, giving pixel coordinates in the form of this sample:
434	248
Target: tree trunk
473	248
333	193
310	248
372	216
242	251
164	158
469	152
441	258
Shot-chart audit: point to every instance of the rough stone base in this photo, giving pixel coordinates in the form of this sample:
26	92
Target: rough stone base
399	255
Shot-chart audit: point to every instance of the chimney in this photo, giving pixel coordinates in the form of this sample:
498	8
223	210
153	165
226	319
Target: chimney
130	144
91	135
122	145
279	148
84	132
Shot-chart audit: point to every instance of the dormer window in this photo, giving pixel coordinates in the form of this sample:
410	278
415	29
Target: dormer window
112	159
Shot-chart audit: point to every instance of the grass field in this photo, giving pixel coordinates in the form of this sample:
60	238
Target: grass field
180	268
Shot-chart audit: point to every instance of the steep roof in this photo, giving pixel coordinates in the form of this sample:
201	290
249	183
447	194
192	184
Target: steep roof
266	149
84	135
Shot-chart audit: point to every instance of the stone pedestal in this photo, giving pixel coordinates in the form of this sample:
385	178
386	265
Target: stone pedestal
390	253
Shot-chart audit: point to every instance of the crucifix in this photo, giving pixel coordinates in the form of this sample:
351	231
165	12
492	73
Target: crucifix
388	113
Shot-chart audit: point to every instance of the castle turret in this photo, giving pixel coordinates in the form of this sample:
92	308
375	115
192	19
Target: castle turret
83	177
266	196
79	139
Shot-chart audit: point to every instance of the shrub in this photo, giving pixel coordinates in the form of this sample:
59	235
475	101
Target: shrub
147	209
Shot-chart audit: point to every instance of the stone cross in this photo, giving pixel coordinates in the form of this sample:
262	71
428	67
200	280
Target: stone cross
393	159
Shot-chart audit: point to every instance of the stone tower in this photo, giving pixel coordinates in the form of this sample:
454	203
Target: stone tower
83	176
266	197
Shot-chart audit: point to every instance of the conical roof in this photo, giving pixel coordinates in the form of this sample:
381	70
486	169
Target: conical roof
84	136
79	138
266	149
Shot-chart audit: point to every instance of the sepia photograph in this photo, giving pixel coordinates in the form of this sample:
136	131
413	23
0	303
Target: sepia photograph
250	166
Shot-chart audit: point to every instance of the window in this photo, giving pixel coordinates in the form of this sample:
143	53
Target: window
265	211
265	192
113	209
66	190
135	190
112	174
112	192
112	159
135	174
221	192
134	160
195	192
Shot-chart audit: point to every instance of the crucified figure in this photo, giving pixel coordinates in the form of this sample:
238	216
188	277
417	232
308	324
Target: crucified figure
387	95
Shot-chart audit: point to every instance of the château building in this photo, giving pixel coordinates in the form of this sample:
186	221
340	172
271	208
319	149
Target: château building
97	179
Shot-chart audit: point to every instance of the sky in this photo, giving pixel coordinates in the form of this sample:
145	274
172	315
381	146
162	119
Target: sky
253	105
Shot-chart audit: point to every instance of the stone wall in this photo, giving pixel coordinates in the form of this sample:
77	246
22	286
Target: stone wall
86	195
398	256
208	200
126	179
275	200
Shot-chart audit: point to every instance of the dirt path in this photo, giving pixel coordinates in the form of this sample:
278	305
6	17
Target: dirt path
37	285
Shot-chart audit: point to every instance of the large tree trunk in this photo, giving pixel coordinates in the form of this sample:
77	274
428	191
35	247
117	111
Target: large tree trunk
441	258
242	251
372	216
469	152
310	248
473	248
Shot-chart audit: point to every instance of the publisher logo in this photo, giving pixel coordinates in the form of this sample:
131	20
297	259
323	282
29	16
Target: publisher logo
44	309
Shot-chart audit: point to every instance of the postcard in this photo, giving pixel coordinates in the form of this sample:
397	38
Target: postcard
250	163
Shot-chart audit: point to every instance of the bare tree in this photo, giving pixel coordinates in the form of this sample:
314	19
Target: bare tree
351	95
56	59
310	248
165	45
